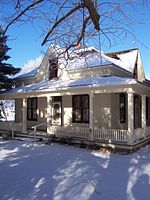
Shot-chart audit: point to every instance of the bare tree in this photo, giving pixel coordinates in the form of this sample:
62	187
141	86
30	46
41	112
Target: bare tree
71	22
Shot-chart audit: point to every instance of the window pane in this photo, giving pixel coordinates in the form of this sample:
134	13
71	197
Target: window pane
29	114
85	115
77	102
85	101
122	108
56	98
53	68
29	103
34	103
34	114
77	115
32	109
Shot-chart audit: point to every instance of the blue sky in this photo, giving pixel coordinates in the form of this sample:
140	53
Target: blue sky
25	42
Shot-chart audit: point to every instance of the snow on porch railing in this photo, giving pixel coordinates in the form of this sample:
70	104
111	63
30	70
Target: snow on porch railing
98	134
10	126
71	131
110	134
6	125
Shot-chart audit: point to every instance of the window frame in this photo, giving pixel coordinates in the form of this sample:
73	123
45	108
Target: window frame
147	111
32	109
81	108
53	68
122	100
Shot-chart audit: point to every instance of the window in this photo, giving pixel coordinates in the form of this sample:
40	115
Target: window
53	68
148	111
122	108
32	109
81	108
137	111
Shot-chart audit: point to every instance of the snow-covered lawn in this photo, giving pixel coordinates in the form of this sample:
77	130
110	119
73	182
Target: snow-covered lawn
34	171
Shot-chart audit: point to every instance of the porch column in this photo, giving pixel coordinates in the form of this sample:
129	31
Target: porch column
130	117
144	112
91	115
49	113
24	116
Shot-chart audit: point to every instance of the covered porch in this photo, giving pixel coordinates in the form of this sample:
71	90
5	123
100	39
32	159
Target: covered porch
116	115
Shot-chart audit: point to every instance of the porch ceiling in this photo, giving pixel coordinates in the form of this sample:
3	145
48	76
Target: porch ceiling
69	85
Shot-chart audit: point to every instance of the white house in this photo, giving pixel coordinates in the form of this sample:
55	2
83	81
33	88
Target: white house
87	95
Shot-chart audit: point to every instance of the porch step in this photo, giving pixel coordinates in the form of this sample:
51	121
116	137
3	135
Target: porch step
29	137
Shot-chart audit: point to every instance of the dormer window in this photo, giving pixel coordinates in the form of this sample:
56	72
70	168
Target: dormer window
53	68
115	56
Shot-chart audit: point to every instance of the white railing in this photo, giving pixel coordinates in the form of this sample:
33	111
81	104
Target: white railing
6	125
10	126
70	131
35	130
94	134
110	134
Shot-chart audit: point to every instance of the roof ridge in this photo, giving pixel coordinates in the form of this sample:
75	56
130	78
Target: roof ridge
122	51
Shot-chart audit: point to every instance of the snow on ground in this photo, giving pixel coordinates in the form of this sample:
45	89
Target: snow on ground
34	171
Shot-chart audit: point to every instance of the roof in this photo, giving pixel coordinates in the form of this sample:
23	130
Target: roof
126	59
95	58
87	59
91	57
28	75
54	85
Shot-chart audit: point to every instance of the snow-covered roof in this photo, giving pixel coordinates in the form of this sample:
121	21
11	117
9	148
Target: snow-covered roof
29	74
54	85
91	57
125	59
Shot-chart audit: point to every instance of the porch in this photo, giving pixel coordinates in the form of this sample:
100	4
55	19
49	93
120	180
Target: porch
107	115
98	136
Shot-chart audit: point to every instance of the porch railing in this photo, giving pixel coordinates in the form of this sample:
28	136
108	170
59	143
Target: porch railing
70	131
94	134
6	125
110	134
10	126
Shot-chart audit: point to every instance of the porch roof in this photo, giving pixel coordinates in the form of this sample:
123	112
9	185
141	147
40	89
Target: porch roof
90	82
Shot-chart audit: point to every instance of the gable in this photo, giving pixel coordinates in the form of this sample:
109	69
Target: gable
129	60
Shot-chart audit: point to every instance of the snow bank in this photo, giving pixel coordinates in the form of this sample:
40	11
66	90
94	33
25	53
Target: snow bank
32	171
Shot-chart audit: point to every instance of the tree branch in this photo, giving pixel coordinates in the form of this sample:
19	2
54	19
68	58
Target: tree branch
22	13
60	21
93	13
82	33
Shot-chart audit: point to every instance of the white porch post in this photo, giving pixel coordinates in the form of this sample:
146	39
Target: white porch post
91	115
24	116
130	117
49	113
144	113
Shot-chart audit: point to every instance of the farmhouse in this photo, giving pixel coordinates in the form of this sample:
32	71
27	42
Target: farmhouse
85	95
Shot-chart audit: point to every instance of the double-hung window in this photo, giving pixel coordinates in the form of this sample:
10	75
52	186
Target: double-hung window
81	108
122	107
32	109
